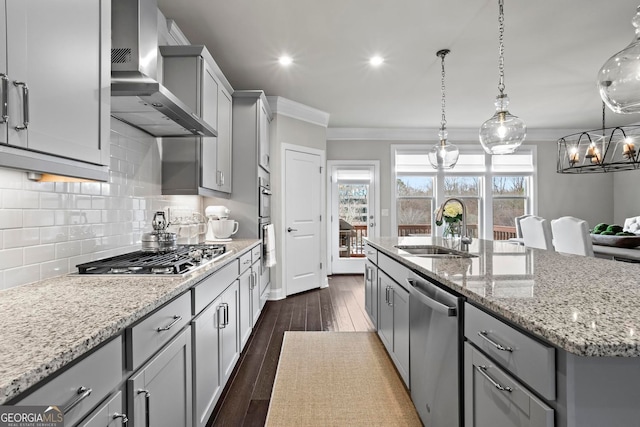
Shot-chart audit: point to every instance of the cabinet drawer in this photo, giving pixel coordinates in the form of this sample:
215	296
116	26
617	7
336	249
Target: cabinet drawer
211	287
256	253
371	252
494	398
394	269
109	414
528	359
148	336
100	372
245	262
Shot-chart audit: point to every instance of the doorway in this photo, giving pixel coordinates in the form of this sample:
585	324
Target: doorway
353	213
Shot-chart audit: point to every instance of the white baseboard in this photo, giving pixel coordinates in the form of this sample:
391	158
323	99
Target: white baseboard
276	294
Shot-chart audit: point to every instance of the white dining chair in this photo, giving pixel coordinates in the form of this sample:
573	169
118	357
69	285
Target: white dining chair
571	236
536	232
518	227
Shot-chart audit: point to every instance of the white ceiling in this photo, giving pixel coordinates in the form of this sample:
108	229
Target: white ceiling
553	51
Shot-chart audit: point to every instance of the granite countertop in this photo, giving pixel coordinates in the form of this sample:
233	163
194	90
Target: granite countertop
584	305
48	324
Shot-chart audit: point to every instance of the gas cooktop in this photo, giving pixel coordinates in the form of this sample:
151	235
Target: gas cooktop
183	260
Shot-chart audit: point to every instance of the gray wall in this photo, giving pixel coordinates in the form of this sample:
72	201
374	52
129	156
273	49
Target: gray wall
586	196
626	200
287	130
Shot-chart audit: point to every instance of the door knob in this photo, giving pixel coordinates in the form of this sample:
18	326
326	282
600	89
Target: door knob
291	229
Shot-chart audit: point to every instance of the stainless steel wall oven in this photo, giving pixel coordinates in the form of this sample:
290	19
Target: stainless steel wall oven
264	198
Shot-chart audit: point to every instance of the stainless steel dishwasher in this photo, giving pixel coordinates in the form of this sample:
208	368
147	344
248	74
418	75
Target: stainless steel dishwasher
435	330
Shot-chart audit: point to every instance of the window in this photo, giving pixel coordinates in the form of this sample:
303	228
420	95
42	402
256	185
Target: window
495	190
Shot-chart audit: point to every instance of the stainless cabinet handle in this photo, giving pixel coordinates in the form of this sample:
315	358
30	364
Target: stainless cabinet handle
371	252
366	273
147	403
81	394
176	319
291	229
25	105
390	296
483	370
246	261
221	324
485	335
123	417
5	88
226	314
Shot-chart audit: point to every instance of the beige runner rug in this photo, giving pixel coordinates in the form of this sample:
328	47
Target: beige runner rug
338	379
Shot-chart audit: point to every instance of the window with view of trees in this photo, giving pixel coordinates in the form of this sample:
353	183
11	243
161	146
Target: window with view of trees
495	190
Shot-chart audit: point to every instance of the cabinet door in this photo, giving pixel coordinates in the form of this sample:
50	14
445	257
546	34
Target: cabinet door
206	376
56	49
159	394
493	398
229	338
385	310
3	67
255	293
400	301
224	141
371	292
109	414
245	310
263	137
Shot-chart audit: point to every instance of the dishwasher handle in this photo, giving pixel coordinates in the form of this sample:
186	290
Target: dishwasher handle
436	305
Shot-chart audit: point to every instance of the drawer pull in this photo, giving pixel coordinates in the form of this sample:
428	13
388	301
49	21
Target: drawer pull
246	261
81	394
176	319
370	252
485	335
123	417
147	403
483	370
5	83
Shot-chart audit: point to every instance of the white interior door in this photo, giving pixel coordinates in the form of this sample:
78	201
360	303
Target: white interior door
354	214
303	210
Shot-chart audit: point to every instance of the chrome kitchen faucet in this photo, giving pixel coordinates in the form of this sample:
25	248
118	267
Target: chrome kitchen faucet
465	239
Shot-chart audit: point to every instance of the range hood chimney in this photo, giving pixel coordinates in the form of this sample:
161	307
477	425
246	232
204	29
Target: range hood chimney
137	98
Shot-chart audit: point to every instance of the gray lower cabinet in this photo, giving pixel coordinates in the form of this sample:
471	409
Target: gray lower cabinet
393	322
246	323
229	331
159	393
109	414
494	398
80	388
371	291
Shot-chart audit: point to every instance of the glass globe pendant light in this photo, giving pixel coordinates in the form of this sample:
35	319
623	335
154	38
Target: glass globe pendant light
619	77
443	155
503	133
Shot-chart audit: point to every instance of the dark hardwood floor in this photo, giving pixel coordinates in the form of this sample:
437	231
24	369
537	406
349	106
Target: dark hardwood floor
340	307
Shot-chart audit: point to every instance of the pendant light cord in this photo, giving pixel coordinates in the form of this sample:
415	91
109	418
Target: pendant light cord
443	122
501	48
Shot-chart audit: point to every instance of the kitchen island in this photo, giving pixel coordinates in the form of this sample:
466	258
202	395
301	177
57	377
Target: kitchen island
588	309
49	324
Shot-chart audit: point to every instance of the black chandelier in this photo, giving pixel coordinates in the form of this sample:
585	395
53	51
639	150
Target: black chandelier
592	151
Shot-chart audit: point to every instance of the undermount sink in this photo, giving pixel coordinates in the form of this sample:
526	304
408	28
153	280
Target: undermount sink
430	251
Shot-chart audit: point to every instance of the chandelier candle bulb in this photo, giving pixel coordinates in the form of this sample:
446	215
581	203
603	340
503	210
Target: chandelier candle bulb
629	150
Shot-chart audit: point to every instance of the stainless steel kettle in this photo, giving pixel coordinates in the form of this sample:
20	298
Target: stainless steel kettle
159	240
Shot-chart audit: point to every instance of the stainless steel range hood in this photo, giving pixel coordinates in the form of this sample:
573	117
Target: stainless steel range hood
137	98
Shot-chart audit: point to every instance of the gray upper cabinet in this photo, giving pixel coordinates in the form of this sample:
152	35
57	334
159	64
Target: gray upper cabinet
264	144
198	165
55	56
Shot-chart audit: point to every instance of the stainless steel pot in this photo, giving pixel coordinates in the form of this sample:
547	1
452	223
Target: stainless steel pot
159	241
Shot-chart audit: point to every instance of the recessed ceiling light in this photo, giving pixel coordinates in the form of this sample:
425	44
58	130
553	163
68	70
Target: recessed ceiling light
285	60
376	60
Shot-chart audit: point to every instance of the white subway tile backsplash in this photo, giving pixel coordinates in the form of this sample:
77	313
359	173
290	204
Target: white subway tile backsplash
54	268
10	218
20	199
10	258
46	229
22	275
21	237
66	250
38	254
38	218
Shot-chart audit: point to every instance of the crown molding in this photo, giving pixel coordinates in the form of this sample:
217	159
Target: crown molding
431	134
296	110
